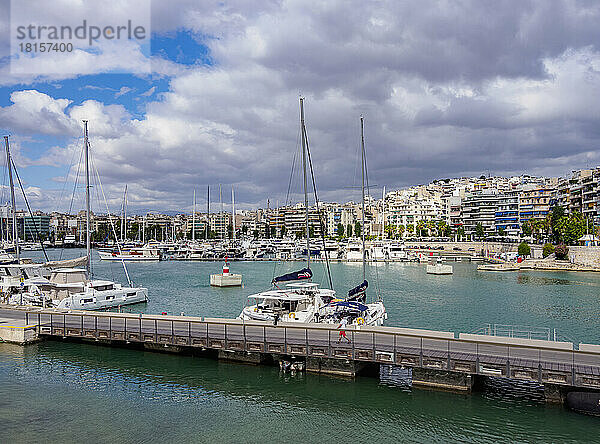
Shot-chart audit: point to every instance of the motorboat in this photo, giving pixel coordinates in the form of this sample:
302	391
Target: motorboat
134	254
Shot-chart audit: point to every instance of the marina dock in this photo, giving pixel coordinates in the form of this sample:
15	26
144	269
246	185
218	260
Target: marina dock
437	359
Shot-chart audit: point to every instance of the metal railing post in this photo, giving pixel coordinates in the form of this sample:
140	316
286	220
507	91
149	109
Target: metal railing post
155	330
329	342
96	326
265	339
26	318
110	327
421	354
40	324
82	324
448	365
190	332
64	324
476	358
285	339
225	336
172	332
353	350
140	326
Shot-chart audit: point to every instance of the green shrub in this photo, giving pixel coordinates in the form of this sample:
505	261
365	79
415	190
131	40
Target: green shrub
561	251
524	249
548	250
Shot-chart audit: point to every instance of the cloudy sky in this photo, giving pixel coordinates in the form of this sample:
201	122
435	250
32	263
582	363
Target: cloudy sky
447	88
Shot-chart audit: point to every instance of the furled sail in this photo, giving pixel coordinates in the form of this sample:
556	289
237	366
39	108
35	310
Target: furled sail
305	273
358	290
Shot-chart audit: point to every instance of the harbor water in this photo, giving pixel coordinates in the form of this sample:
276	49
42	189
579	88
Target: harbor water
71	392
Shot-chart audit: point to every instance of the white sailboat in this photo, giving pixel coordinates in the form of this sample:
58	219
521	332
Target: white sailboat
354	309
301	300
74	288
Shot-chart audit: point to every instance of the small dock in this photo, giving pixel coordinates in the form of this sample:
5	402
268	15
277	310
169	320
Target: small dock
437	359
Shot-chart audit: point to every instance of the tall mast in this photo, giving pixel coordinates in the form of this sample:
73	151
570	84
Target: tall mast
125	214
233	213
303	137
194	218
383	216
223	228
362	231
12	200
207	211
87	196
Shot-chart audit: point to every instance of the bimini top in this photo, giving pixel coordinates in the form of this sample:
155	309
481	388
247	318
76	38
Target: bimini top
305	273
283	295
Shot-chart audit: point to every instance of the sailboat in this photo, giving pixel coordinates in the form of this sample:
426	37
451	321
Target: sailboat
301	300
74	288
354	309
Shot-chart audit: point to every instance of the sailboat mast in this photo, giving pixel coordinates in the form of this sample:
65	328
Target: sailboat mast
383	216
87	196
12	199
125	214
207	211
362	153
194	218
233	213
303	137
223	227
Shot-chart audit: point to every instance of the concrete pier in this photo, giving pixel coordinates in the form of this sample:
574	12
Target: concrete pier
436	359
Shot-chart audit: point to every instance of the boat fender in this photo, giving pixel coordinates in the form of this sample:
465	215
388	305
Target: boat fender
360	321
292	315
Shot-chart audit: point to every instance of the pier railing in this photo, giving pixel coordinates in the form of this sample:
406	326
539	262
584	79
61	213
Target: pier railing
526	359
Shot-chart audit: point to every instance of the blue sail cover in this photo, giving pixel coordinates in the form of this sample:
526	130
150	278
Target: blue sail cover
359	289
305	273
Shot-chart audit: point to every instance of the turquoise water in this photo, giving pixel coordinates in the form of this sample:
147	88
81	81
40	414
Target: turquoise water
72	392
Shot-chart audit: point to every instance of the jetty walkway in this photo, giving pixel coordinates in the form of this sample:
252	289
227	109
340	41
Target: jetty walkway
438	359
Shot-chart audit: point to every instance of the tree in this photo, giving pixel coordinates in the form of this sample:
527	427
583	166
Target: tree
548	250
244	229
561	252
574	228
430	224
283	231
420	227
479	231
410	228
311	231
273	231
349	230
460	232
524	249
340	230
400	230
255	234
442	228
357	228
501	232
390	231
526	228
555	216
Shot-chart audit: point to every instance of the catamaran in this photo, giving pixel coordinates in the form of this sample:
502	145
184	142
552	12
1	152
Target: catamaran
303	301
74	288
354	309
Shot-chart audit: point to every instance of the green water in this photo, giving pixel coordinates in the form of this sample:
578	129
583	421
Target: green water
72	392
